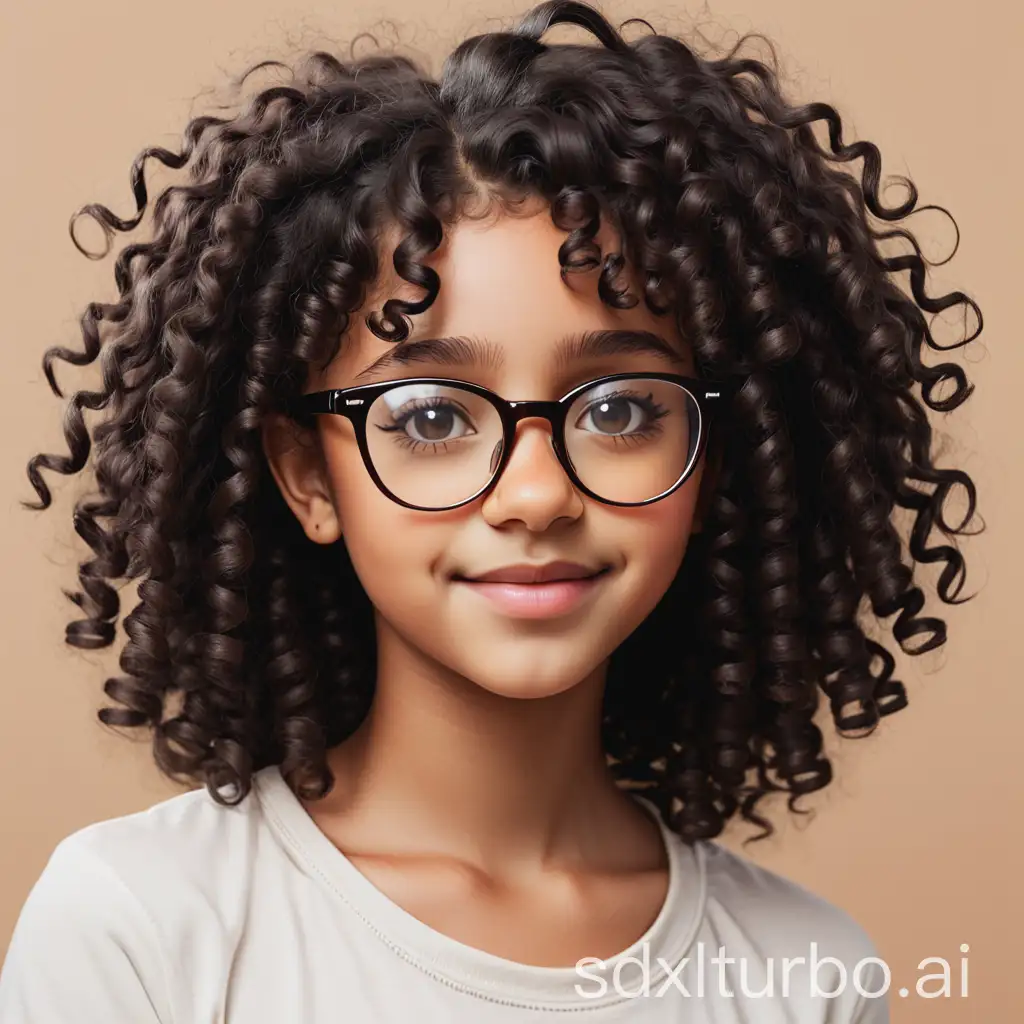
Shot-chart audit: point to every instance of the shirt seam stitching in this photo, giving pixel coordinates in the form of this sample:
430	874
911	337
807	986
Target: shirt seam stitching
301	851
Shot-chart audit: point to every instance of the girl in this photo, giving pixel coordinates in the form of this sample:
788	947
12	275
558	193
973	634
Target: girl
506	461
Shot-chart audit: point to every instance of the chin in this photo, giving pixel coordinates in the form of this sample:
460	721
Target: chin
520	690
526	680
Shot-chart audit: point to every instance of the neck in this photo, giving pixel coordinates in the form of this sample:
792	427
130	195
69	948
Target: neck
442	766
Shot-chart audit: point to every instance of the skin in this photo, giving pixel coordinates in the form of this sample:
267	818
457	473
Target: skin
476	794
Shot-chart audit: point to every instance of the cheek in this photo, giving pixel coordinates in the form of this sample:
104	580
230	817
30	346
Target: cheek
391	548
663	529
654	540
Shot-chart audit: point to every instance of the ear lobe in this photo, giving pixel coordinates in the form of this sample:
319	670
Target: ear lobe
296	460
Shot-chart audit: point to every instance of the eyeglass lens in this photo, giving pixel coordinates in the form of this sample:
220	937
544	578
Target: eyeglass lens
436	445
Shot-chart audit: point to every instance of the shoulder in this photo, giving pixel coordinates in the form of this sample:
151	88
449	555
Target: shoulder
777	908
782	913
186	840
185	863
139	886
759	913
122	904
151	856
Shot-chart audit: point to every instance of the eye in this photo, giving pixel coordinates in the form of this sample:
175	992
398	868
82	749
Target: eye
433	422
613	415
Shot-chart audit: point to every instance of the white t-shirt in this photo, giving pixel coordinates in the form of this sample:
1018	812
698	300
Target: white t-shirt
194	913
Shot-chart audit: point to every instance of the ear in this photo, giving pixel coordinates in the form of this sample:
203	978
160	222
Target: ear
708	485
296	460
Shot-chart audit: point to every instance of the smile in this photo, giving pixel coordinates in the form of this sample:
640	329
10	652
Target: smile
535	600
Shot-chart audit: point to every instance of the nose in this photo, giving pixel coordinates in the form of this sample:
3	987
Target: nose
533	488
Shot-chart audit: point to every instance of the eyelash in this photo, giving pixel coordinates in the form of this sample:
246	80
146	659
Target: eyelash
410	410
654	409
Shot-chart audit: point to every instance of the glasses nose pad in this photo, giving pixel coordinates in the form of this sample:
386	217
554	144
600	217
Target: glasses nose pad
496	454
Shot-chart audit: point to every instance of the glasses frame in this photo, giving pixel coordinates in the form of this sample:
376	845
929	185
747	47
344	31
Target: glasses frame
354	404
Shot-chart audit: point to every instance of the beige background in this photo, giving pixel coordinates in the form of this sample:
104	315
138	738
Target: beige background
920	836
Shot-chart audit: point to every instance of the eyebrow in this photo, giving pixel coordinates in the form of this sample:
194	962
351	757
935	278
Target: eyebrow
471	351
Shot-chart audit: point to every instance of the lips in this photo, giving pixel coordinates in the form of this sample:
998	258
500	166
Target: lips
525	573
536	591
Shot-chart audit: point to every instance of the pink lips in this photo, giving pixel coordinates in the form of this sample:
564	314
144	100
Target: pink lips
535	591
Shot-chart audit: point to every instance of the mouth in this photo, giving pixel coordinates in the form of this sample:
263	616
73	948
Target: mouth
521	592
526	573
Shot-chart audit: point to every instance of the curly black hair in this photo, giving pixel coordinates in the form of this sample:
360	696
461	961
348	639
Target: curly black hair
248	647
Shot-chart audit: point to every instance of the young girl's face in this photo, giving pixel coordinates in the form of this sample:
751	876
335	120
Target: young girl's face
500	285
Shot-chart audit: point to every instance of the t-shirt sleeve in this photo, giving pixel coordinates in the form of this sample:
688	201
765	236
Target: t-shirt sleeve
84	950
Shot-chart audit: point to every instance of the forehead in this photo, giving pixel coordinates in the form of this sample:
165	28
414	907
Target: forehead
501	282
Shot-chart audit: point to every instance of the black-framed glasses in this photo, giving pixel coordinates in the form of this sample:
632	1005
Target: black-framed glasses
433	443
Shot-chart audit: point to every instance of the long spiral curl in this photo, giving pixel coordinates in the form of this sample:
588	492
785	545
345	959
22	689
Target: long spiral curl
247	648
